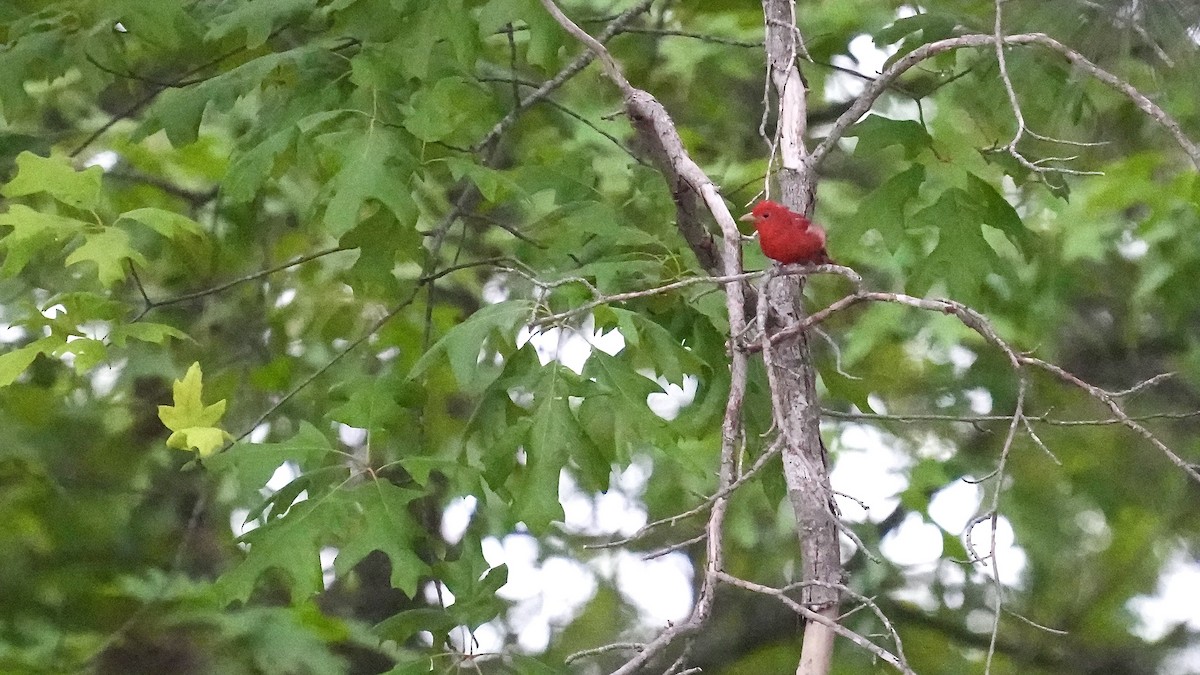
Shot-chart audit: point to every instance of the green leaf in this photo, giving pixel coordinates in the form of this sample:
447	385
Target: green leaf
916	30
179	111
290	544
884	209
382	242
384	525
616	413
655	347
14	362
254	463
372	402
962	257
491	183
56	177
193	424
876	133
403	625
439	25
145	331
250	169
847	389
995	210
434	113
167	223
373	167
21	56
87	352
33	232
492	327
934	26
159	23
555	439
257	19
109	249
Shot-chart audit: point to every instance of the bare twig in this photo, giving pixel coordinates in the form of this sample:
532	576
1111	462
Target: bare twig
894	660
865	100
977	419
578	64
1037	167
151	305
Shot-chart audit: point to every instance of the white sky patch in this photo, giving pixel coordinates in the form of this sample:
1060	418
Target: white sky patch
259	433
673	399
285	473
105	159
913	542
239	524
296	348
456	517
614	512
866	59
661	588
961	358
104	377
870	470
10	334
546	595
437	595
1173	604
484	640
495	289
571	347
328	555
1131	247
351	436
285	298
1010	558
979	400
953	506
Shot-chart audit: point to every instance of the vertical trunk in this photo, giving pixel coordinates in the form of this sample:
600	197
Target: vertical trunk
791	370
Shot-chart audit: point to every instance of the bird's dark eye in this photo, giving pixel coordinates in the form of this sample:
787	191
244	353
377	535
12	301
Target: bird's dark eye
766	215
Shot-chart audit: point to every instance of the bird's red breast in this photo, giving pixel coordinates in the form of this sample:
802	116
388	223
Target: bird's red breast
786	236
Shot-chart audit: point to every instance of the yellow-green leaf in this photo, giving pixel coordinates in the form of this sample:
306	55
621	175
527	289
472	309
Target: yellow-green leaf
167	223
193	424
108	248
57	178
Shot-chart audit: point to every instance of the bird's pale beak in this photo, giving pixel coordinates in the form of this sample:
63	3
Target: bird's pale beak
748	218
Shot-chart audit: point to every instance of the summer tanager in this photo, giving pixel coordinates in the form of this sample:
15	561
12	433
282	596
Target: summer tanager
786	236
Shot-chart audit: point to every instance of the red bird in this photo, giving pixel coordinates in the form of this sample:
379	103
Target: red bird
786	236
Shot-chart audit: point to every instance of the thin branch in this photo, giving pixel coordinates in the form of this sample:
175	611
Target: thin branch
863	103
891	659
155	304
1125	420
368	334
144	99
759	463
703	37
635	646
976	419
578	64
791	270
1037	167
570	113
195	198
978	323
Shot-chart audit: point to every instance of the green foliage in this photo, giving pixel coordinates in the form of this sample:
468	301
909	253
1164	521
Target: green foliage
297	195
